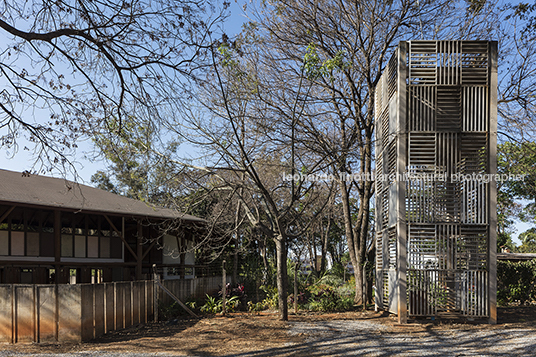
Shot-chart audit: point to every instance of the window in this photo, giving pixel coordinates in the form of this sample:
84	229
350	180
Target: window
66	245
4	243
80	246
93	247
105	247
17	243
32	244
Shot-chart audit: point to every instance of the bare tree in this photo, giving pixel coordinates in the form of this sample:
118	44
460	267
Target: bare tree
249	147
68	66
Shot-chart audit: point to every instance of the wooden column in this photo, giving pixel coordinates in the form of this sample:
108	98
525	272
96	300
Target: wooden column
492	229
182	259
401	148
139	251
57	245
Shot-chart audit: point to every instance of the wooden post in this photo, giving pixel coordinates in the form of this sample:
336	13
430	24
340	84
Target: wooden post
182	258
139	251
57	245
401	148
156	280
57	267
492	229
224	288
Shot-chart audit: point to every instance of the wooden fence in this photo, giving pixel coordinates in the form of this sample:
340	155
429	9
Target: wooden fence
81	312
188	288
73	313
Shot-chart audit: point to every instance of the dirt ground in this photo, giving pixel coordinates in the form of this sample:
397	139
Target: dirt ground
243	332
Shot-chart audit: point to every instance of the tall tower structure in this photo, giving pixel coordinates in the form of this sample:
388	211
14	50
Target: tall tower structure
436	139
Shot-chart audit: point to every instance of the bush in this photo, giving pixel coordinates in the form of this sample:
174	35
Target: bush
214	306
328	294
326	298
272	298
174	310
516	281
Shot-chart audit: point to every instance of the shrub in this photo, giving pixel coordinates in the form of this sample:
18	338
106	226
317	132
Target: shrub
173	310
214	306
515	281
272	299
256	307
326	298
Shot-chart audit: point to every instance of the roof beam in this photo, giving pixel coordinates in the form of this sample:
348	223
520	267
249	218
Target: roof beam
4	216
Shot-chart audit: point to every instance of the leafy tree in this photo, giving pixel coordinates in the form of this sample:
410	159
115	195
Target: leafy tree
518	159
528	241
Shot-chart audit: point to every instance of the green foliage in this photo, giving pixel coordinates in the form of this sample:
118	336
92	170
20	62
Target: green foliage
327	298
134	170
171	311
515	281
327	294
515	159
505	239
338	270
214	306
256	307
528	241
330	293
314	67
518	159
227	56
272	299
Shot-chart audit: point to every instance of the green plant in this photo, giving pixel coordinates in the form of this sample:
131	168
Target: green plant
272	299
516	281
232	303
345	303
171	311
326	298
256	307
214	306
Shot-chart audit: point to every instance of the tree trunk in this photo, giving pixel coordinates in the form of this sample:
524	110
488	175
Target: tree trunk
282	276
263	253
325	238
348	230
234	279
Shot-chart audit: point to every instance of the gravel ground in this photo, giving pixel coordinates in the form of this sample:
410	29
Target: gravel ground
373	338
364	338
82	354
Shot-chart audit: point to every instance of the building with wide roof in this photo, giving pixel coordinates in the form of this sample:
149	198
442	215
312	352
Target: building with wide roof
55	230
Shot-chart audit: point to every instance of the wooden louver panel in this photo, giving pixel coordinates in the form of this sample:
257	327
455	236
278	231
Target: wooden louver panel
438	133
